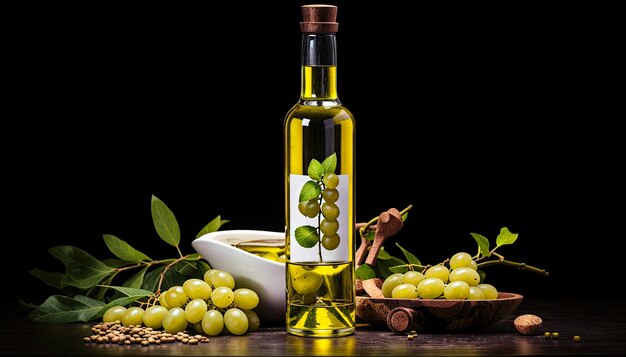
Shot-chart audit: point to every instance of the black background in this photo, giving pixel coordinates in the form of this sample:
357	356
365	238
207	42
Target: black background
480	116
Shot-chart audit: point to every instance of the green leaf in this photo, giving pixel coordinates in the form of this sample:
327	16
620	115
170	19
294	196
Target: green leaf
171	278
405	216
330	163
382	254
116	263
52	279
123	250
62	309
165	222
88	301
136	280
384	265
130	291
505	237
203	267
412	259
483	244
151	279
307	236
27	305
212	226
315	170
309	191
81	269
399	269
189	269
371	235
365	272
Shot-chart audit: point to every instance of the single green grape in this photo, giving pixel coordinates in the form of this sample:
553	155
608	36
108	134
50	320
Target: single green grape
438	271
473	265
412	277
330	210
404	291
475	293
246	299
330	195
390	283
197	289
329	226
198	327
222	297
114	313
153	317
208	274
302	207
430	288
162	300
175	297
253	320
212	322
195	310
467	275
236	321
222	278
306	282
330	242
175	320
312	208
133	316
456	290
460	260
491	293
331	180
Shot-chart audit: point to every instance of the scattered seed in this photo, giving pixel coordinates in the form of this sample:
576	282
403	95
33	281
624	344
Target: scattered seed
555	335
547	335
410	337
576	338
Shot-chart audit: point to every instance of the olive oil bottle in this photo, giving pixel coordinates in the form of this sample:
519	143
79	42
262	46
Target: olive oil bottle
319	184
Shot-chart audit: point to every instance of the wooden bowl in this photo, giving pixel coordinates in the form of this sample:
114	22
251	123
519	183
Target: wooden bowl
431	315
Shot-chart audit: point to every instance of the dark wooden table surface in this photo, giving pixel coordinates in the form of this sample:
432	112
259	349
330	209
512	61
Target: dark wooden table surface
600	323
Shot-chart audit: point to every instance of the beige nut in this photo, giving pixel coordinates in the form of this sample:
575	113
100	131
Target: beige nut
527	324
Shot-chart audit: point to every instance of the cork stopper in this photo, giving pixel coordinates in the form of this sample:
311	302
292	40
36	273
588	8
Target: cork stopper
319	18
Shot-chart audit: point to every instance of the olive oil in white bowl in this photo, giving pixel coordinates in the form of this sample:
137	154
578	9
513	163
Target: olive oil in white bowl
225	250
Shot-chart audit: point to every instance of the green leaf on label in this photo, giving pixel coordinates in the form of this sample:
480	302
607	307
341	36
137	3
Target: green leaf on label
412	259
52	279
307	236
309	191
136	280
382	254
483	244
212	226
165	222
123	250
384	265
81	269
365	272
62	309
315	170
506	237
399	269
330	163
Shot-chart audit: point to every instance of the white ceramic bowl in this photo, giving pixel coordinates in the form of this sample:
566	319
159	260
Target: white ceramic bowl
262	275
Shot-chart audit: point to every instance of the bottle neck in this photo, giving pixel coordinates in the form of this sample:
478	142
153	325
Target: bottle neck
319	69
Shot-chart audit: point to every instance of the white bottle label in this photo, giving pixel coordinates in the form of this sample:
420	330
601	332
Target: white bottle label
308	253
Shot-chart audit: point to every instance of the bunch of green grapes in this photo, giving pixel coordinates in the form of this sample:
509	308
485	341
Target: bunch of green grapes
209	304
459	280
329	209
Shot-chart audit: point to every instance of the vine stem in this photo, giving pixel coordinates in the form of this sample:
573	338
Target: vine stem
375	219
167	267
520	266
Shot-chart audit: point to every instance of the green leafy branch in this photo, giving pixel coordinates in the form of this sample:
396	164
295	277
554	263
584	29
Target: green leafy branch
386	264
88	283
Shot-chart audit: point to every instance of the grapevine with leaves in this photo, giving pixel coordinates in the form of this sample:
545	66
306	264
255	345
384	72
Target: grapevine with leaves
88	284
